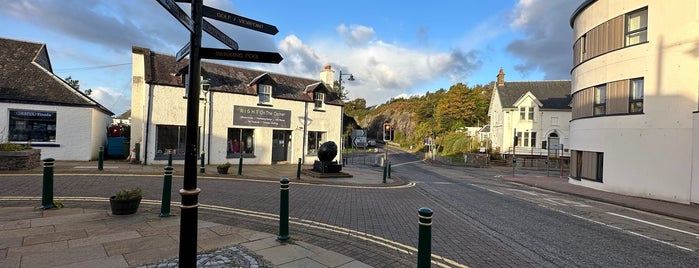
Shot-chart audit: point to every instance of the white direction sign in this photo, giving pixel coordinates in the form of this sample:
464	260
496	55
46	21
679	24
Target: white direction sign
359	142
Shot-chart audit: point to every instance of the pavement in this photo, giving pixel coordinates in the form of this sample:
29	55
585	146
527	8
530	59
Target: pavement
85	235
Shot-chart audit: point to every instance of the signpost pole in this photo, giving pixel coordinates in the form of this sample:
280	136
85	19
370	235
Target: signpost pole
189	191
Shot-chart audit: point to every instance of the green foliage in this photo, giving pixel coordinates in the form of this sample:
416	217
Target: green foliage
58	204
225	165
128	194
7	147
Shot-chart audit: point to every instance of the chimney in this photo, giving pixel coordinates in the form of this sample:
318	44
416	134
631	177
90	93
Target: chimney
327	76
501	78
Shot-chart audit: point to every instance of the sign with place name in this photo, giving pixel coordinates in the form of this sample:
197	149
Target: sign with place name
261	117
241	21
178	13
240	55
219	35
32	115
183	52
360	142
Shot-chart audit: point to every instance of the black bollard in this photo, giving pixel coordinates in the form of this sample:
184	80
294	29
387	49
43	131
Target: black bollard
167	187
298	170
169	158
385	171
240	165
100	159
202	169
424	244
284	210
389	169
47	193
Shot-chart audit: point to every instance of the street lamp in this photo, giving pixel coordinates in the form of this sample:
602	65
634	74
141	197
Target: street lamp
205	85
341	96
339	82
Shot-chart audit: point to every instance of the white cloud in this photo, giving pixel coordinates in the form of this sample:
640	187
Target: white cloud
115	102
355	35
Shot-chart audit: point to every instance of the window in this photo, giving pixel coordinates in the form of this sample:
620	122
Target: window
533	139
168	139
522	113
319	99
637	27
583	46
315	139
531	113
519	139
526	139
600	165
34	126
600	100
636	96
241	142
554	121
264	92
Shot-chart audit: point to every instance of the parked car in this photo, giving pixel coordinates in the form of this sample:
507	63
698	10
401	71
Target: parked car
371	143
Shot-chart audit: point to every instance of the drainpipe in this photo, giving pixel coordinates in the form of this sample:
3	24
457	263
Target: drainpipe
305	133
342	130
151	87
210	115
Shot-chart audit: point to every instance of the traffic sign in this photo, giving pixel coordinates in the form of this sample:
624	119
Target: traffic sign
240	55
216	33
359	142
183	52
179	14
241	21
359	132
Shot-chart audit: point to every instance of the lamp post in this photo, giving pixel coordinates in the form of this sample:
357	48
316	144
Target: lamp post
341	95
205	89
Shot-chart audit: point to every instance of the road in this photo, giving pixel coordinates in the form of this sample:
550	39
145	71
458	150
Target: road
480	220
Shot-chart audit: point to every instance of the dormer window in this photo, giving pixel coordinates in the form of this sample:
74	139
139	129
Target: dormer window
264	92
319	100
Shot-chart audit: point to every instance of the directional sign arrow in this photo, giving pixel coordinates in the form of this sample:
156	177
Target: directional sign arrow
240	55
179	14
183	52
216	33
241	21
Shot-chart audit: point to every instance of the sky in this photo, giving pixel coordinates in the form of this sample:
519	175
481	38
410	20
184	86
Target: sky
392	48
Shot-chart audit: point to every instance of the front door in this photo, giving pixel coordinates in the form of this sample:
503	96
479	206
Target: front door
280	145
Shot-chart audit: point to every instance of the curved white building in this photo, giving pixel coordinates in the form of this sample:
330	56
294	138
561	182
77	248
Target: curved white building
635	84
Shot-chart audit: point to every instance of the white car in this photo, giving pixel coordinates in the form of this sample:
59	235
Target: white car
371	143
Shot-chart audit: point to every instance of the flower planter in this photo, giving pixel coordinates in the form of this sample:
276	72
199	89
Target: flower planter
124	207
222	170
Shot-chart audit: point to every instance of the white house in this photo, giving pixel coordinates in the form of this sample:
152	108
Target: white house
265	118
39	108
536	112
635	73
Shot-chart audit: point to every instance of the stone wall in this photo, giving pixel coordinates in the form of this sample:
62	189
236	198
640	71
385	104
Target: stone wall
20	160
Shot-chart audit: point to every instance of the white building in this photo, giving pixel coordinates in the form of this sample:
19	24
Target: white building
537	112
266	118
634	85
39	108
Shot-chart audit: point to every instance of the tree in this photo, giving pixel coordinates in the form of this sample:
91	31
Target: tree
72	82
340	92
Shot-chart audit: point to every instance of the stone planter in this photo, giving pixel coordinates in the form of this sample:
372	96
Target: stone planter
222	170
20	160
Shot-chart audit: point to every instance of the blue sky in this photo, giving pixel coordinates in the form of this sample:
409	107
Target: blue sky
393	48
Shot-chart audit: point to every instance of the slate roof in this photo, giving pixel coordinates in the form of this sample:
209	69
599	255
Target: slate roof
231	79
124	115
26	76
553	94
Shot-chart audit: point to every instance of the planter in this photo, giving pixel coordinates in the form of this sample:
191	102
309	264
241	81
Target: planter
222	170
124	207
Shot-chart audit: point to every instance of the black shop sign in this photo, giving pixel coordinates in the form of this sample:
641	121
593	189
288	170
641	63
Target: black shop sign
261	117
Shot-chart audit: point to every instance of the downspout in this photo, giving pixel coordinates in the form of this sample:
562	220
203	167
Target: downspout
208	138
342	130
151	87
305	133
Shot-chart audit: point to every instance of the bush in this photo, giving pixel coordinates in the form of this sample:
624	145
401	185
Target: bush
14	147
129	194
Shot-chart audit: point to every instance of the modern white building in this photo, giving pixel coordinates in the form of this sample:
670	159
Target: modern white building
39	108
265	118
635	84
536	112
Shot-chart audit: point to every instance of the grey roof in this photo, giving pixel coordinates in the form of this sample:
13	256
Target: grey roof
26	77
553	94
125	115
232	79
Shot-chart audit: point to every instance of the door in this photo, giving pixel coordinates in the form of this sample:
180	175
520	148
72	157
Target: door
280	145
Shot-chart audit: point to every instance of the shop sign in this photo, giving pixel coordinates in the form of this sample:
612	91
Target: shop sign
261	117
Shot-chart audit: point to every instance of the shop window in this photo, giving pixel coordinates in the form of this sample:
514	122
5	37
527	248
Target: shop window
264	92
315	139
636	96
600	106
170	138
637	27
241	142
32	126
319	100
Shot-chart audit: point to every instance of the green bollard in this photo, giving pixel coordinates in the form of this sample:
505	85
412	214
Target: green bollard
298	170
385	171
47	193
167	188
137	152
169	158
100	159
202	169
389	169
240	165
424	244
284	210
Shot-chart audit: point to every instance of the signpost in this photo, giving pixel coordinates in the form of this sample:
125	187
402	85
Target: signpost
241	21
240	55
189	192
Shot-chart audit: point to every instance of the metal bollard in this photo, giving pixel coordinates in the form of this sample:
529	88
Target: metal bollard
169	158
137	152
385	171
100	159
47	191
389	169
202	169
240	165
284	210
298	170
167	188
424	244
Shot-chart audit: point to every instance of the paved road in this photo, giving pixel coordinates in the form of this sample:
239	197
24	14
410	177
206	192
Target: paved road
479	219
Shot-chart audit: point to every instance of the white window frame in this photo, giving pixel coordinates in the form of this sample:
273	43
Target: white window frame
318	100
637	19
264	93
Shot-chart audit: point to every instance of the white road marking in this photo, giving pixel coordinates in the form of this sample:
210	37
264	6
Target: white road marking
565	202
523	191
654	224
483	188
397	165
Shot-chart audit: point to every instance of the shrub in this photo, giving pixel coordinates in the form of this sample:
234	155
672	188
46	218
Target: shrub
128	194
